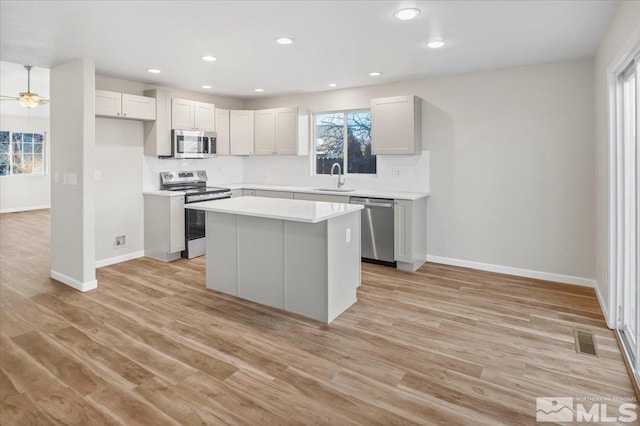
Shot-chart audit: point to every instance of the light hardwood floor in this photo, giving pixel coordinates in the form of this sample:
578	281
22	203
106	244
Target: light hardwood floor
152	346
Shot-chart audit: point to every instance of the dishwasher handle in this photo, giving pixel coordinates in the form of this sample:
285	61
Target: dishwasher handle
372	202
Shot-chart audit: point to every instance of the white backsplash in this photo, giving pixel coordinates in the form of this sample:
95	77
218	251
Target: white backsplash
394	173
220	170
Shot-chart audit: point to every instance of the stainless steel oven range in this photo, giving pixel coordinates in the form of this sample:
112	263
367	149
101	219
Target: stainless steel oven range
194	184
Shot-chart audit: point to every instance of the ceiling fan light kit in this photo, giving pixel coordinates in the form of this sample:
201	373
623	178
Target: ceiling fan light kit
28	99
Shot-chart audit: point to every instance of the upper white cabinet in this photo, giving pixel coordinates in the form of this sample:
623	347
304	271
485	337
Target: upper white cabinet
241	129
123	105
192	115
396	125
222	131
234	129
157	134
281	131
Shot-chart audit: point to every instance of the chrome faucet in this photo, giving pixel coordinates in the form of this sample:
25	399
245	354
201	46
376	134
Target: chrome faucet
341	178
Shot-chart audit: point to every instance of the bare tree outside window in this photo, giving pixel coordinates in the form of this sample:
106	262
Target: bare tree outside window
331	131
21	153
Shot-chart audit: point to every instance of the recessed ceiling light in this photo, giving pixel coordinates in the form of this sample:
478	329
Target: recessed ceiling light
206	86
436	44
332	85
153	70
375	73
258	90
407	13
208	58
284	40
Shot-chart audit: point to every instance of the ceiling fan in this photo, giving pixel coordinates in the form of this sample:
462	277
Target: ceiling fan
27	99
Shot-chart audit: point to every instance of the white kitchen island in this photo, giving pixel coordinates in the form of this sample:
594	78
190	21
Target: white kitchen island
296	255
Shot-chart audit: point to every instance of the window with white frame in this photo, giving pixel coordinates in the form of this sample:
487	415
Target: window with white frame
21	153
343	137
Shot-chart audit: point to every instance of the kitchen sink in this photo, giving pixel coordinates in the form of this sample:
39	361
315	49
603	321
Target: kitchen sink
334	190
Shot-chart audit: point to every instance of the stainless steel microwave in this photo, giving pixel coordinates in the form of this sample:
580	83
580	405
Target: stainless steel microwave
192	144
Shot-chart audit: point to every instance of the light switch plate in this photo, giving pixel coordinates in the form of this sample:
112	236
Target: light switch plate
56	177
72	178
348	236
98	174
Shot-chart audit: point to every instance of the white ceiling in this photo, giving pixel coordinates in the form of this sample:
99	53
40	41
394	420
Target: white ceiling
336	41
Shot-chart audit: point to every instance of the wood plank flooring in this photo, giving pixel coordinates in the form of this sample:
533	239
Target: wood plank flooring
152	346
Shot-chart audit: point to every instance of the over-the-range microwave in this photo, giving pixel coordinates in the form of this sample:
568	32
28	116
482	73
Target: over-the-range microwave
192	144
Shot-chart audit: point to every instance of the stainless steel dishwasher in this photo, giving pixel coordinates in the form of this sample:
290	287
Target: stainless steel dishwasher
376	229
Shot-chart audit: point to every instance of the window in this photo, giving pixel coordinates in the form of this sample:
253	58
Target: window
332	129
21	153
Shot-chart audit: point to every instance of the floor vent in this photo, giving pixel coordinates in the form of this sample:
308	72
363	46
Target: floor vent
585	343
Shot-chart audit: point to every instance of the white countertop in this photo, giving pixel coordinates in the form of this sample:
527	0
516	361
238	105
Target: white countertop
374	193
277	208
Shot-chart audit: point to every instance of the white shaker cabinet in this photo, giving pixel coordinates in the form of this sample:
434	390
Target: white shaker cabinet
396	125
182	115
265	132
124	105
281	131
164	235
241	129
222	132
274	194
410	233
204	116
192	115
157	134
108	104
234	129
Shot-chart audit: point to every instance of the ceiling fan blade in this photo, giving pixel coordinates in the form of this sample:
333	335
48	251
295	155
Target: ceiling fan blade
8	98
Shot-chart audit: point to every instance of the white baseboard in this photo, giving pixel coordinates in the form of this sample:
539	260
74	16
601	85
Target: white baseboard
118	259
605	309
25	209
81	286
547	276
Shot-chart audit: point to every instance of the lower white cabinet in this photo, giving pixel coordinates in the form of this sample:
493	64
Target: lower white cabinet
164	236
274	194
321	197
410	233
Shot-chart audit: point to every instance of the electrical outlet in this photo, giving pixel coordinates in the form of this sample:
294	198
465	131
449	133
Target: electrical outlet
120	241
98	175
395	172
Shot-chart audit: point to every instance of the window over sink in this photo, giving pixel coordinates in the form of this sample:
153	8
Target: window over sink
331	130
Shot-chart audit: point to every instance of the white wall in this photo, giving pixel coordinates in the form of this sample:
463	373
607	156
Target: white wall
511	163
26	192
126	172
72	154
623	33
119	203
